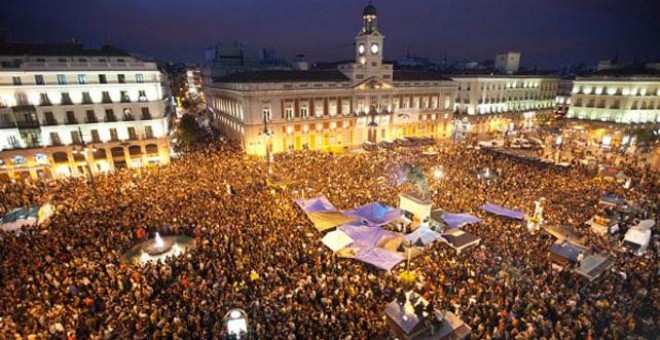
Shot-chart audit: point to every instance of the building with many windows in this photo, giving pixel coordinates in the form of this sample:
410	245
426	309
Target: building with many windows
612	104
502	103
363	101
64	107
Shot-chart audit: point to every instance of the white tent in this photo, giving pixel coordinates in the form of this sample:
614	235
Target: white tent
336	240
637	240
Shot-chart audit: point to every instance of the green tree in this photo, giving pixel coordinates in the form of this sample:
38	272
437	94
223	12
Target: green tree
189	131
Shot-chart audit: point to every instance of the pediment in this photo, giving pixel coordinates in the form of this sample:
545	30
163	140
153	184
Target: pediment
374	83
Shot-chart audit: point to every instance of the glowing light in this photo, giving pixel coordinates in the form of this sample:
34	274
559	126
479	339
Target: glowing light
159	241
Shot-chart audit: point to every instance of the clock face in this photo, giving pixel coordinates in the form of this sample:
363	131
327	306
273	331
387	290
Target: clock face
374	48
361	49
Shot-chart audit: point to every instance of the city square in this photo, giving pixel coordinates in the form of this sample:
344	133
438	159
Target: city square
249	197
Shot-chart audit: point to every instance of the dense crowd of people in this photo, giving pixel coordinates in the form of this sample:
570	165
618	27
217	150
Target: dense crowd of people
257	251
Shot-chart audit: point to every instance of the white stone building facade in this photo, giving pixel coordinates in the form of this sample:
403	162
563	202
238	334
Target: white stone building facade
64	108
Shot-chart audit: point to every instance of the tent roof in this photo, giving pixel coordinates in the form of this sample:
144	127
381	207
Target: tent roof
375	214
457	220
499	210
336	240
318	204
424	234
381	258
637	236
645	225
365	236
328	220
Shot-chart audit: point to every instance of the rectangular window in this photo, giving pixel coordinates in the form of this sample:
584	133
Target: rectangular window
39	79
139	78
82	79
148	132
95	136
44	100
49	118
106	97
142	96
121	78
86	98
267	113
131	133
113	135
318	108
75	137
90	116
145	113
124	97
61	79
103	79
71	118
288	111
345	106
332	108
16	80
55	139
66	99
110	116
304	110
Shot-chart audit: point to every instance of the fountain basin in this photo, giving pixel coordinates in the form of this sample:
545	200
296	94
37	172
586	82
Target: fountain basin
154	250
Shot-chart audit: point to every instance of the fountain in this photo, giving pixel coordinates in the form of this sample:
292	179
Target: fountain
157	246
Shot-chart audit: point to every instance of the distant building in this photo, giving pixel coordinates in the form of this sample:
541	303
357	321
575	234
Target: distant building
617	97
501	103
228	58
56	98
563	98
194	81
333	109
507	62
300	63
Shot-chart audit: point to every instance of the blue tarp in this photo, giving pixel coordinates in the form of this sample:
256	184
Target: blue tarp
566	250
457	220
422	233
21	214
364	236
498	210
381	258
318	204
375	214
613	199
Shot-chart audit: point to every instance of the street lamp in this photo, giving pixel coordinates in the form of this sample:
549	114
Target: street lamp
438	173
83	150
267	134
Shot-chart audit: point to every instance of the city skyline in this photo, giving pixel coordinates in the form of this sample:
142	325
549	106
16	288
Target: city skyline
549	34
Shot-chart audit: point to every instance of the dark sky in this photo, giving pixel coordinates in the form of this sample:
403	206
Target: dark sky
549	33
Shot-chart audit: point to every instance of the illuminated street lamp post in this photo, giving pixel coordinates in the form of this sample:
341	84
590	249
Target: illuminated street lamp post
267	134
83	150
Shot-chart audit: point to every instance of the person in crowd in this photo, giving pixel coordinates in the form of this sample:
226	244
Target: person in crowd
65	278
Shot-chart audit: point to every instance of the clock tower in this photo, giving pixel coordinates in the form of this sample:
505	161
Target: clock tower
369	42
368	70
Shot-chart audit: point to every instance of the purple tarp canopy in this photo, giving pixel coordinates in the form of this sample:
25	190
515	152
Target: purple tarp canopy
457	220
498	210
422	233
381	258
318	204
364	236
375	214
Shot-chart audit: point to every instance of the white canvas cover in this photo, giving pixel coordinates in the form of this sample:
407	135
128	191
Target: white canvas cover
336	240
640	237
645	225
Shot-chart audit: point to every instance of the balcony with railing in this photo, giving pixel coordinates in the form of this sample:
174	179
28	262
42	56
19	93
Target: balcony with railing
110	118
71	121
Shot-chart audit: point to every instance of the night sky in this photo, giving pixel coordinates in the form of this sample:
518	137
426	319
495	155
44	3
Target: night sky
549	33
